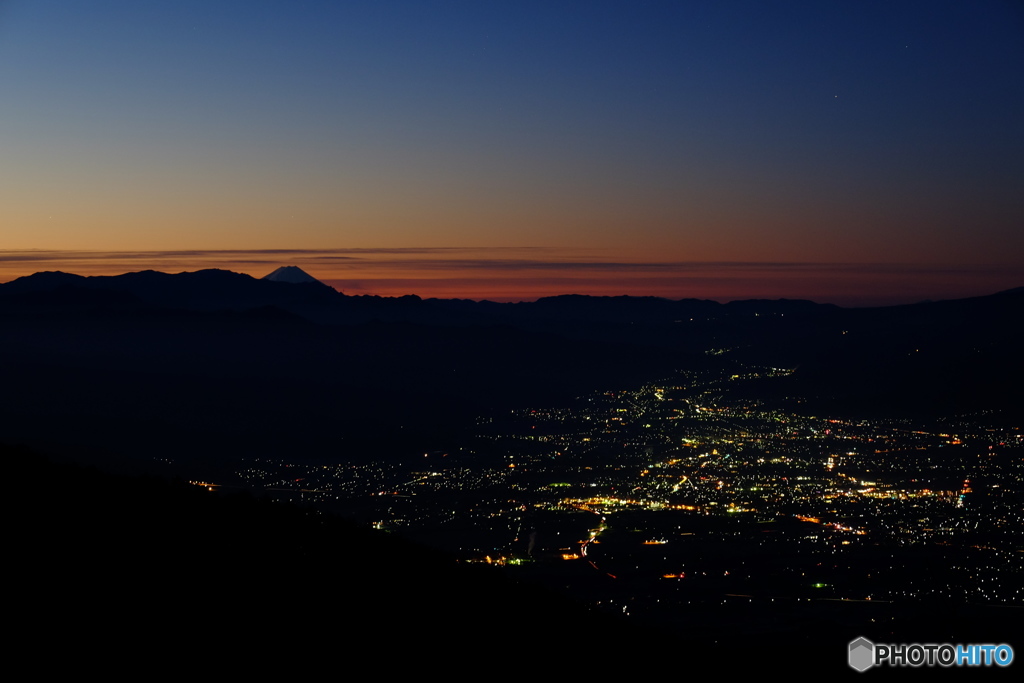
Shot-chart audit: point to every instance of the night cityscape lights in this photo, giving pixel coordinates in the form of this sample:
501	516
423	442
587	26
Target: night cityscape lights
689	490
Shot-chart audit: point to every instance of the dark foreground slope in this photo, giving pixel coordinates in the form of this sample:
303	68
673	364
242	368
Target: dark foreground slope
131	576
121	565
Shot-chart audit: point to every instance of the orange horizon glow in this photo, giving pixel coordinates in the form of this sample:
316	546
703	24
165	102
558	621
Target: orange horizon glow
492	151
526	274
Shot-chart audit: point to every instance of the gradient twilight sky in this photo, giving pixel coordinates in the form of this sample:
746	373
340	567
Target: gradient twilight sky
850	151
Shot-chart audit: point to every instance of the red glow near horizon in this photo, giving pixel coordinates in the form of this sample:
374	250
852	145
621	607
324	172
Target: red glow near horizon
528	274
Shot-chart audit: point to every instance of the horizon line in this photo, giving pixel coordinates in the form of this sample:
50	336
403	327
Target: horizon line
340	285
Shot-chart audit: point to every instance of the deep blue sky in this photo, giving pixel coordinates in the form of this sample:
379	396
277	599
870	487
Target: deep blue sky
653	133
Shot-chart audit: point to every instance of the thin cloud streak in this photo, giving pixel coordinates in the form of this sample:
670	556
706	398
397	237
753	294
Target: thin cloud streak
624	267
233	254
226	258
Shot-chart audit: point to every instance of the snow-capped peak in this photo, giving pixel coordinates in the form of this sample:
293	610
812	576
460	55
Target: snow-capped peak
292	274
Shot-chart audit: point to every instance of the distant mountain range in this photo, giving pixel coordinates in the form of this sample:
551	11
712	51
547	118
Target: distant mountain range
214	361
222	290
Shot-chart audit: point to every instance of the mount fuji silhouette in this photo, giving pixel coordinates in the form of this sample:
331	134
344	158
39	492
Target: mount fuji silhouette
292	274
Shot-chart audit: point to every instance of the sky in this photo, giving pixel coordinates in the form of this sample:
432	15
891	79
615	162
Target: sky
855	152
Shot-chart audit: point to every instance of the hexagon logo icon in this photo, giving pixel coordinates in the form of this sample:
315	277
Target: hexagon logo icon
862	654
